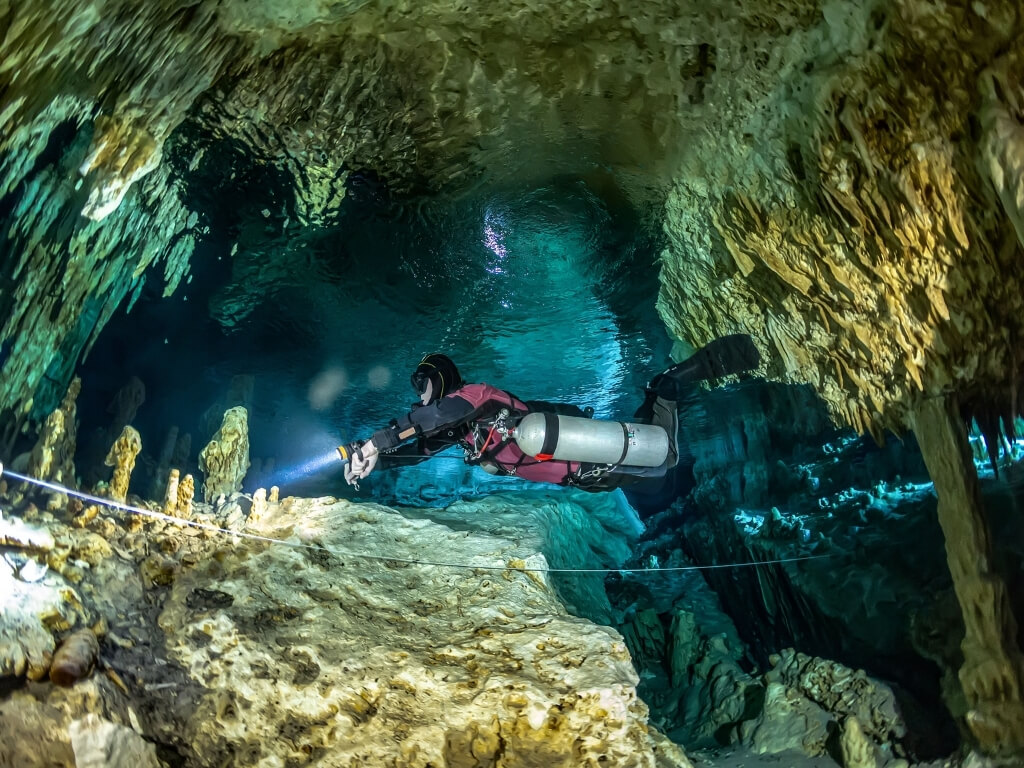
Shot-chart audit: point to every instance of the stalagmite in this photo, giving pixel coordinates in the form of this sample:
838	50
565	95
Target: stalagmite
122	458
126	404
171	493
186	493
54	453
259	504
225	459
856	748
992	674
182	450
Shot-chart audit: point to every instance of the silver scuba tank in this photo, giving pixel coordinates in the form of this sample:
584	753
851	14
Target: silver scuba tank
573	438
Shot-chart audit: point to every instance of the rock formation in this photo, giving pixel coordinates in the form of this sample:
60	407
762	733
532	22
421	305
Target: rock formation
122	458
312	650
186	494
992	674
53	457
225	459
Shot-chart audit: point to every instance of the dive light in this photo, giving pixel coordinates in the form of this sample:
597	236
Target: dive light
347	450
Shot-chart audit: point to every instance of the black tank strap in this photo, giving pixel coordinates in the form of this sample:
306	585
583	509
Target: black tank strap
550	434
625	442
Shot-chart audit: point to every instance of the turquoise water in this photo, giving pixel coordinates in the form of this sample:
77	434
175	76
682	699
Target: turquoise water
543	290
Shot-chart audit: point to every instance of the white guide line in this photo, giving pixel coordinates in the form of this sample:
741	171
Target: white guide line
379	558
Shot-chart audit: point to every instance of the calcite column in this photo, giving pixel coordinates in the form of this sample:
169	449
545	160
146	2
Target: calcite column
993	672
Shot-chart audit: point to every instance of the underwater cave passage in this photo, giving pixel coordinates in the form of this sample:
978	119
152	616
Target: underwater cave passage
458	385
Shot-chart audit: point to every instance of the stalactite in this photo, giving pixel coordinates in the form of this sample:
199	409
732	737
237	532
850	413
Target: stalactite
94	95
857	240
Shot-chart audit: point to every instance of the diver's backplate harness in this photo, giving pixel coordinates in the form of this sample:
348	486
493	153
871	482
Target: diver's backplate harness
489	436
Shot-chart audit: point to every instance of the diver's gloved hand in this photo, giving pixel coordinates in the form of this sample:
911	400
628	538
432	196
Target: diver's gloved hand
362	463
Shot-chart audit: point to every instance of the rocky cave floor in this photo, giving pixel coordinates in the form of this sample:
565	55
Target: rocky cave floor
187	647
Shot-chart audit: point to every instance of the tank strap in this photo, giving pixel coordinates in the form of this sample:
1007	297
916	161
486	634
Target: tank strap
625	442
547	450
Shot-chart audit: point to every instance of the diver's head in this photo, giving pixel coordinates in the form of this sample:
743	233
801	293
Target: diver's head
435	377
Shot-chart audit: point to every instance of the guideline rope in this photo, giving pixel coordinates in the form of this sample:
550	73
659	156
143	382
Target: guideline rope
379	558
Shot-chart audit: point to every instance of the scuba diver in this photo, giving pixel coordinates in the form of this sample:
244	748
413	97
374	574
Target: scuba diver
543	441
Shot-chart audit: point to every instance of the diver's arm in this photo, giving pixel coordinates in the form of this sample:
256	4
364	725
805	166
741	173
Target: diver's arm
413	453
425	421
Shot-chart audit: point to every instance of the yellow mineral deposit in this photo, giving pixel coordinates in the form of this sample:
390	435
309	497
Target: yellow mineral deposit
122	458
86	516
225	459
259	504
171	494
53	456
186	493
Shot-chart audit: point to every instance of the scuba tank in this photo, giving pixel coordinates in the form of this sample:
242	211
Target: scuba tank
547	436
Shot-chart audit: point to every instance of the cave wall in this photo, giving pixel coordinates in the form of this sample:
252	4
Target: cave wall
424	96
844	125
842	209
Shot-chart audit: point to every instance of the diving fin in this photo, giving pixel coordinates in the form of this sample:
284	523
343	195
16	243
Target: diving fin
722	357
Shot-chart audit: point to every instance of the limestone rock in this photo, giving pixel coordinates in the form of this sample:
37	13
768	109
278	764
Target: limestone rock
122	458
490	654
33	612
225	459
806	698
719	696
857	749
992	673
789	722
170	506
51	726
15	532
259	503
886	285
186	494
53	456
99	743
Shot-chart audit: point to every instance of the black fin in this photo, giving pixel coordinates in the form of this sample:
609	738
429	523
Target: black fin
722	357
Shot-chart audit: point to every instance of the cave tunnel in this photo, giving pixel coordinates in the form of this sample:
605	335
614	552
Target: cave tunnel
749	274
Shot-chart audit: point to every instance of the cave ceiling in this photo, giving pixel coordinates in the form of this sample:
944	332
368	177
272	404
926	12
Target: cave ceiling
839	179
